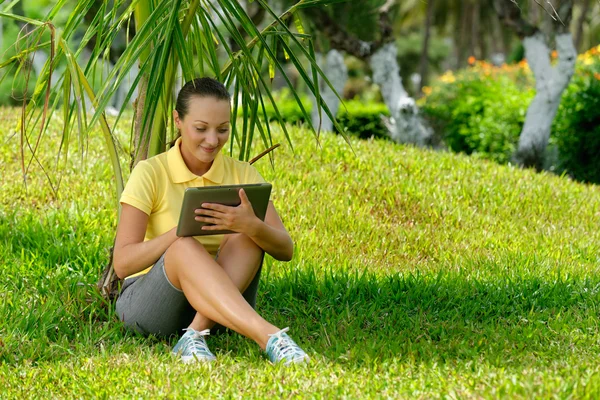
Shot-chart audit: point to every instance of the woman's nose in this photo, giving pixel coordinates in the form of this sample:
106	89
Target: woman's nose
212	139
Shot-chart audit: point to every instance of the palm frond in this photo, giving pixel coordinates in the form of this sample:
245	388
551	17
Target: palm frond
172	37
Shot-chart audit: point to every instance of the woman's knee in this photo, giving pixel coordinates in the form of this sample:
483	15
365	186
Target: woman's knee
241	240
182	247
180	254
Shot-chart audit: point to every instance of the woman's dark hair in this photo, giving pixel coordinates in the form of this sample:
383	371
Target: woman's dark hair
201	87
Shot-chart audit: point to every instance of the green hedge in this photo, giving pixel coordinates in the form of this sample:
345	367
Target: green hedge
363	119
358	118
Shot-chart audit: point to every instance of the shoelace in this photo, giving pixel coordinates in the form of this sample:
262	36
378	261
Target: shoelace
284	347
198	344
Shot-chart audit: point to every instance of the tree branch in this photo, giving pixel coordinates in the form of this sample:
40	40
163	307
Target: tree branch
510	15
341	39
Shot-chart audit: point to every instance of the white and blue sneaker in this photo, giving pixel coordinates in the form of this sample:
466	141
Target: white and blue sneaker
192	347
281	348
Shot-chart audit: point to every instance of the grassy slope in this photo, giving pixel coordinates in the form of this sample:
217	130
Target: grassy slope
417	274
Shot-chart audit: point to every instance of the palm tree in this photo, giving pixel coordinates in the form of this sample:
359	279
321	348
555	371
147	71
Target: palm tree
174	40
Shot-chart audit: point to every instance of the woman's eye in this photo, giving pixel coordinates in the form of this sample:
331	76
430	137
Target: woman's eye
223	130
201	129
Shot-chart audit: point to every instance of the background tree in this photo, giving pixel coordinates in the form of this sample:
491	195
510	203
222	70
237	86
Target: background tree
364	30
551	80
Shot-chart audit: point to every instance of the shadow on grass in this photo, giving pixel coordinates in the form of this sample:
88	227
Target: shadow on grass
346	317
435	317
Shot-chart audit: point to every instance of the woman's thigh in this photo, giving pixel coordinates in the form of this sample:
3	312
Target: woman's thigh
152	305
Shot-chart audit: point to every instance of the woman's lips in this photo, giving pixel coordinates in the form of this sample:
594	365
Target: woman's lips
208	150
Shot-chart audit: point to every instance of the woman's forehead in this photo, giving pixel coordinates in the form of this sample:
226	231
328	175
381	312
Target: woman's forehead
208	109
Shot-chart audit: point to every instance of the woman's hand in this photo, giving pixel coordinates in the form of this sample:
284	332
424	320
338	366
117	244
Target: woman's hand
239	219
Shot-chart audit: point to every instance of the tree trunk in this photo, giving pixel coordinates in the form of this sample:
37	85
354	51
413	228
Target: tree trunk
462	41
405	125
550	84
337	73
475	34
536	11
424	62
140	145
580	22
498	39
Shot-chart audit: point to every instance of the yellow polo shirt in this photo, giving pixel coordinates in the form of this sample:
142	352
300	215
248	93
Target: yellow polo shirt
157	185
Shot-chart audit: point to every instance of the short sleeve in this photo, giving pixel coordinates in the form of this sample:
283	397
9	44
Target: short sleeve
253	176
140	191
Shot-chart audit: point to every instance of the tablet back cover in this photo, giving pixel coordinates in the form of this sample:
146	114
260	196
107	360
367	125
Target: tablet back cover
258	194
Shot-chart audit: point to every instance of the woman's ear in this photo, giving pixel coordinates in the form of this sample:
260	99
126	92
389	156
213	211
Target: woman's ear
176	119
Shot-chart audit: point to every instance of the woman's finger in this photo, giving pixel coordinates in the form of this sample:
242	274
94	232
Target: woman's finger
215	206
205	211
214	228
209	220
243	197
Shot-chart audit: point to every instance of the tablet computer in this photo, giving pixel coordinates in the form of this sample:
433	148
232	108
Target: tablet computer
194	197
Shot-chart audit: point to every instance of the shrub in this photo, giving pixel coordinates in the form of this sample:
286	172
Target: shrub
360	119
480	110
576	128
363	119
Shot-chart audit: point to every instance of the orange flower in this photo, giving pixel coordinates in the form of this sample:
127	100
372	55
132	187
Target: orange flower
471	60
554	54
597	75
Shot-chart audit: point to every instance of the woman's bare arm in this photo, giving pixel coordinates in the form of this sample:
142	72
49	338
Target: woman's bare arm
131	253
272	237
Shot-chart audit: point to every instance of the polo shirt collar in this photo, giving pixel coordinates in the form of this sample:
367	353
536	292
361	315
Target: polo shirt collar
180	172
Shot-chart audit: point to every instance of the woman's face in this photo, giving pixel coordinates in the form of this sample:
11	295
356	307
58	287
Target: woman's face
204	130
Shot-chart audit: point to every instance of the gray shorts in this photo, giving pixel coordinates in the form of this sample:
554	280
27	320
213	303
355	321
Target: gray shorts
150	304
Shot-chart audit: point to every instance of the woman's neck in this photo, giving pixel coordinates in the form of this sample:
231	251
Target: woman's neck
195	166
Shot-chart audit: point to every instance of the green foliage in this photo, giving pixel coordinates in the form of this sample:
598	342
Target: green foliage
481	111
477	113
358	118
417	274
576	128
516	54
364	119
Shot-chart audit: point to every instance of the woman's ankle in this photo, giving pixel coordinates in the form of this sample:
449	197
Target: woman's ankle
263	336
200	323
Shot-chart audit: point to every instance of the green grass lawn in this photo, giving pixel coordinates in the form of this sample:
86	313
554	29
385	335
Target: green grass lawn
417	274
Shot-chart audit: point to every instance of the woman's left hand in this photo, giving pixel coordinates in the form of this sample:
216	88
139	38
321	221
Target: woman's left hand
239	219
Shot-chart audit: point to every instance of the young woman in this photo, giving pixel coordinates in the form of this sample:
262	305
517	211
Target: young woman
191	283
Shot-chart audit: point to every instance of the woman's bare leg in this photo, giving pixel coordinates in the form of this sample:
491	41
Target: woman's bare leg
240	258
211	291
